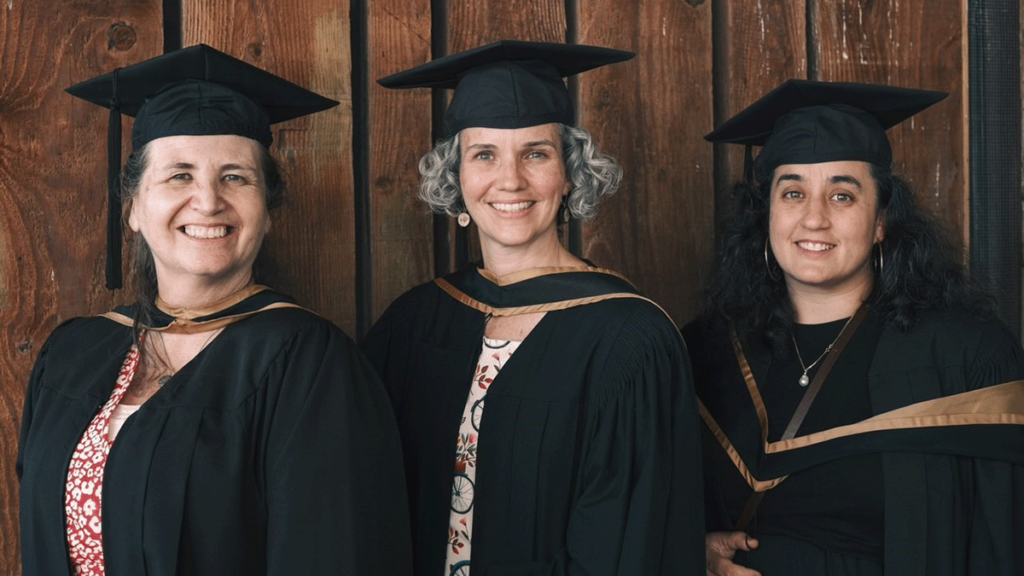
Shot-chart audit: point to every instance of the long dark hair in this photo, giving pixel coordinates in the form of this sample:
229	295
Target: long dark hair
142	271
922	268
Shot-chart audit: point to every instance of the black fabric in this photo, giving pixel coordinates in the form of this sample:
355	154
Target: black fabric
837	505
806	122
588	460
953	497
200	91
273	451
507	84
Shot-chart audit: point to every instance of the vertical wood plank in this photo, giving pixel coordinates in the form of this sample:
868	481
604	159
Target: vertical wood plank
916	44
52	190
310	251
472	23
757	47
651	113
399	134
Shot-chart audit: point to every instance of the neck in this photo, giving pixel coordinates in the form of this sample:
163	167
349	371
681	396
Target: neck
199	294
816	306
503	261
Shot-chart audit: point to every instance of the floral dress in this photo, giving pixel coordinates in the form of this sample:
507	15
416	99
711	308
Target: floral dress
84	495
494	355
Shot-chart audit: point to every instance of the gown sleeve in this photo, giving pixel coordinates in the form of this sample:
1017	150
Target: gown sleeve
640	505
997	521
331	463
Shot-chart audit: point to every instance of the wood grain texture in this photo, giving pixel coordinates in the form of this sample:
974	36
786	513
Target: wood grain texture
310	251
916	45
759	46
399	133
473	23
650	113
52	190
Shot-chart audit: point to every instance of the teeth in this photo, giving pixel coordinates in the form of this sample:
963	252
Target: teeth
206	231
518	206
815	246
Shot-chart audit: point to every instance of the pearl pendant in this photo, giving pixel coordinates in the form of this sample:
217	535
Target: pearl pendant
804	380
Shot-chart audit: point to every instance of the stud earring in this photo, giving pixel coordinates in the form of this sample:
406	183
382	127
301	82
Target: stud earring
463	219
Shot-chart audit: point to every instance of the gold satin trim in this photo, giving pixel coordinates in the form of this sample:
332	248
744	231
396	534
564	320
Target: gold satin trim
999	404
224	304
464	298
185	324
741	466
755	394
531	273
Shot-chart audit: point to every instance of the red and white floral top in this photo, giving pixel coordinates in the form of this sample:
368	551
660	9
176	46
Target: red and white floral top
84	495
494	355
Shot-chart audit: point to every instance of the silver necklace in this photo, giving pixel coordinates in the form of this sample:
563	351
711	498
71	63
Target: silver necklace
804	379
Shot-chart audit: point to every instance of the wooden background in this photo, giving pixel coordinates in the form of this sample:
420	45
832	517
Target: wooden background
353	237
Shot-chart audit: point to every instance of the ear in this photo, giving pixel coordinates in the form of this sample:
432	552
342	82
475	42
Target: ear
133	220
880	227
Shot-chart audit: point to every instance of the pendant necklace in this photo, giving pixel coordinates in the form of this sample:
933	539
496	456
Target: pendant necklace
804	379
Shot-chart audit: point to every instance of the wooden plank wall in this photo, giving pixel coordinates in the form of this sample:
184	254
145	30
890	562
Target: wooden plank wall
352	237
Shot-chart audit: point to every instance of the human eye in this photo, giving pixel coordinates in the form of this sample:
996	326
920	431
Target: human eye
235	179
484	155
792	194
843	197
181	177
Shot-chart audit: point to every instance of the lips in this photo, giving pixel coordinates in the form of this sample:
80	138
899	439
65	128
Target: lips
815	246
511	207
206	232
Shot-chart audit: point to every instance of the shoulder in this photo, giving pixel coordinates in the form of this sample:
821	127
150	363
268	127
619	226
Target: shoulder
983	351
83	333
635	341
956	330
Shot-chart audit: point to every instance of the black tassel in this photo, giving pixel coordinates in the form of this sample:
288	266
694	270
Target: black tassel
748	164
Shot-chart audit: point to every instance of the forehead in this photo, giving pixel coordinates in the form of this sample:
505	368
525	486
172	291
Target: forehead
510	136
826	171
217	150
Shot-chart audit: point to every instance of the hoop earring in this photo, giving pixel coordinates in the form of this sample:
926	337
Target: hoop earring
463	219
879	262
767	265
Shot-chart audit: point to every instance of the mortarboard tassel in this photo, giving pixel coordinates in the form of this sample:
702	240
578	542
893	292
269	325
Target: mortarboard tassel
748	164
114	191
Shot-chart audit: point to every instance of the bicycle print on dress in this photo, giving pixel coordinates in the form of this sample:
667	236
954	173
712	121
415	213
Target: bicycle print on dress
494	355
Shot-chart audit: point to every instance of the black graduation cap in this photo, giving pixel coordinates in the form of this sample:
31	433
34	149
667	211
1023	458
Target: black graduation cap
806	122
195	91
507	84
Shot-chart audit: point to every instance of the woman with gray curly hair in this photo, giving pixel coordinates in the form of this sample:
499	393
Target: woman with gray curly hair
585	460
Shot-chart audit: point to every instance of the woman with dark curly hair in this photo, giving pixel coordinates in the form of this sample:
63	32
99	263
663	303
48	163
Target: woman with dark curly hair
585	459
863	408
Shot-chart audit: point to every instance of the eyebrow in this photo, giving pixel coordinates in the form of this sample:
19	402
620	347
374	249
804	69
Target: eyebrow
841	179
537	143
190	166
845	179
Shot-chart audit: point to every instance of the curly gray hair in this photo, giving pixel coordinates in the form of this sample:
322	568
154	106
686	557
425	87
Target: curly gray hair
593	174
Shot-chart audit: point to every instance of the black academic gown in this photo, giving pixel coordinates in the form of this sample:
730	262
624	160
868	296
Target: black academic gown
948	404
274	451
588	459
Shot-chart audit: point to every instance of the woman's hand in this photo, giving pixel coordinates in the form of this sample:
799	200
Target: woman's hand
721	547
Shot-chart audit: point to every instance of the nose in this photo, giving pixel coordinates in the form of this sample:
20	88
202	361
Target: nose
510	177
206	196
815	214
